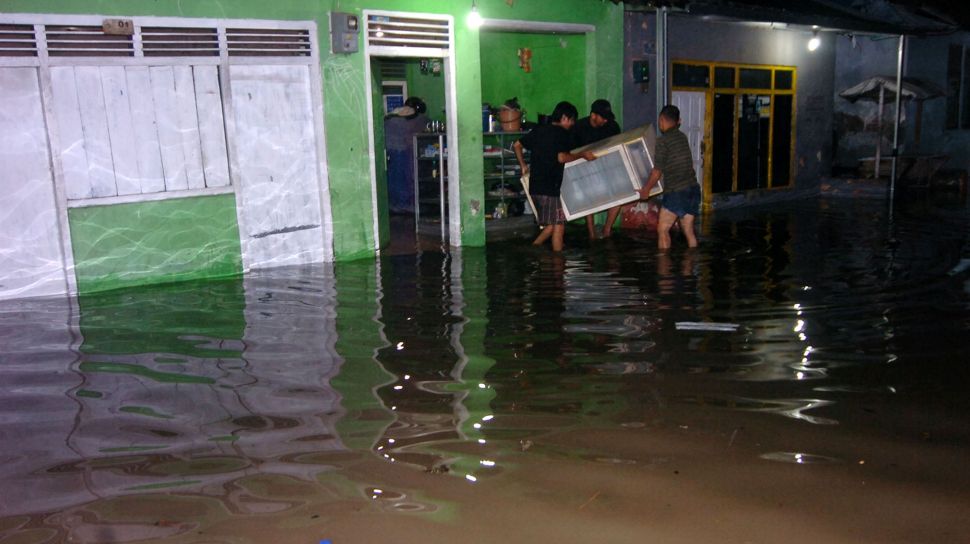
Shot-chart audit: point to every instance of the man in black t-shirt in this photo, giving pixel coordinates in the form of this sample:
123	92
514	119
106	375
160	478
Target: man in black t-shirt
600	124
549	146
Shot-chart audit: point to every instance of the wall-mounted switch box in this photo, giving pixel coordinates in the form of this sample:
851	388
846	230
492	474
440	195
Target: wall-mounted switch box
641	71
344	29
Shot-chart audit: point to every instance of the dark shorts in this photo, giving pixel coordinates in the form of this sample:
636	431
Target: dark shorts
549	210
683	202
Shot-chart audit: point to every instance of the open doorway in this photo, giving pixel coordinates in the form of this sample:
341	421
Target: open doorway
414	178
410	141
526	69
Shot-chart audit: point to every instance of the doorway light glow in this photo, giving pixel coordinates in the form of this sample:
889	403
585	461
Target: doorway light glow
474	18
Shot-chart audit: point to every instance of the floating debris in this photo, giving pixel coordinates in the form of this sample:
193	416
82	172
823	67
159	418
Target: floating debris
799	458
961	266
706	326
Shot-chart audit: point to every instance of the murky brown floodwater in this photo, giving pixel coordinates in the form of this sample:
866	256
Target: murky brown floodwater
510	395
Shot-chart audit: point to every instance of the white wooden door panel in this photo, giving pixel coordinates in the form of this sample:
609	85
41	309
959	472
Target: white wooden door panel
212	130
280	221
188	126
67	116
121	132
30	256
147	147
94	122
166	121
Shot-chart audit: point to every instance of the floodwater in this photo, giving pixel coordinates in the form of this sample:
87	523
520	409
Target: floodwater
510	395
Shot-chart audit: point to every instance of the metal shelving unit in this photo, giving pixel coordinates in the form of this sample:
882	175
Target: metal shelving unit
502	171
430	179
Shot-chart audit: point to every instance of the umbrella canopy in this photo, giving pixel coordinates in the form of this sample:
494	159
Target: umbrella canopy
869	89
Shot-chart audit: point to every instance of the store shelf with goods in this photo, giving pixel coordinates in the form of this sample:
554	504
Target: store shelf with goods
430	178
503	189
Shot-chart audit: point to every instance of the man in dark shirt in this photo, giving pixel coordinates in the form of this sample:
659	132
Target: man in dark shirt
399	130
682	195
549	146
599	125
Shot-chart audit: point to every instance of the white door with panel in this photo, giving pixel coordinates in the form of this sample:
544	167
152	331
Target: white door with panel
280	219
693	106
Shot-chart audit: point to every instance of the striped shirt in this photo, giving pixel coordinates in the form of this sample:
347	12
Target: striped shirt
674	160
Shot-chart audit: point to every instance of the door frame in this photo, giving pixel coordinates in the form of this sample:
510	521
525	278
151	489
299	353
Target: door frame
451	112
737	91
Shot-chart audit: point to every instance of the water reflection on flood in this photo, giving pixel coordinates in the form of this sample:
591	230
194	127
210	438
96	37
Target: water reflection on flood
156	412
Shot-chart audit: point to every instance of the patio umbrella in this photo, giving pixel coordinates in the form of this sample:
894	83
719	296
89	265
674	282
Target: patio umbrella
881	88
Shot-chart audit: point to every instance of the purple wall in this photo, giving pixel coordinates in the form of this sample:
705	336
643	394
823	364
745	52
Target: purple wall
856	124
691	38
926	60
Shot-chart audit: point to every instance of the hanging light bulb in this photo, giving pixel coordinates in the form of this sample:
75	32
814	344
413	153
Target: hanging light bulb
474	18
814	42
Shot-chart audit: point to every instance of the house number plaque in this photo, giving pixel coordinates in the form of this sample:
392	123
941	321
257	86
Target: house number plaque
125	27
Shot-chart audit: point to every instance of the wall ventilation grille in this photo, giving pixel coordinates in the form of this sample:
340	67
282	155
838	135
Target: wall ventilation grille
249	42
17	41
86	41
398	31
22	37
159	41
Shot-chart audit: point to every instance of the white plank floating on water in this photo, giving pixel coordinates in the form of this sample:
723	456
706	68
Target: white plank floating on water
961	266
121	133
212	128
147	146
706	326
67	116
94	122
166	121
188	125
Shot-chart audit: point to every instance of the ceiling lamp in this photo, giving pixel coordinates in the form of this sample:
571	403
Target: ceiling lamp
814	42
474	18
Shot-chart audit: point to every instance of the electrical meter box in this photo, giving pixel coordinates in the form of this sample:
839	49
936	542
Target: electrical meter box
641	71
344	28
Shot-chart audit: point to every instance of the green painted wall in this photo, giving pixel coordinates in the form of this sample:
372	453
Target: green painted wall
380	155
359	337
344	85
558	71
164	319
429	87
172	240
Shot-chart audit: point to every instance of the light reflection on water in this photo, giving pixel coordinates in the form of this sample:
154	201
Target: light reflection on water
256	394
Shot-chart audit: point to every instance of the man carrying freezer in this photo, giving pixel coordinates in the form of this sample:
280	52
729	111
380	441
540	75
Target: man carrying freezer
600	124
549	146
681	197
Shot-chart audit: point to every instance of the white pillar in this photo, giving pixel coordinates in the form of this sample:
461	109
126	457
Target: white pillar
662	64
899	102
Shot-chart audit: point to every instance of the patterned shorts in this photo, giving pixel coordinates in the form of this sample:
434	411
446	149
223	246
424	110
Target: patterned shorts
549	210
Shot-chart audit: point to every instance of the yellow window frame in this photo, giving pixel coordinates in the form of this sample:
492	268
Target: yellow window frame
710	89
